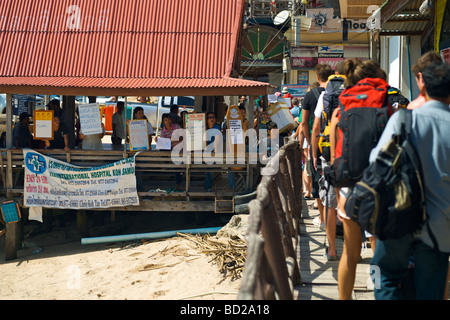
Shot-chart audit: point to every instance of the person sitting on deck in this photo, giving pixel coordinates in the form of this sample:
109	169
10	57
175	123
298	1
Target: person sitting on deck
60	137
138	114
166	133
21	132
212	130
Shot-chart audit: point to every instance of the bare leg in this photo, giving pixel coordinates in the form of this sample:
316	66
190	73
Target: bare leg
349	259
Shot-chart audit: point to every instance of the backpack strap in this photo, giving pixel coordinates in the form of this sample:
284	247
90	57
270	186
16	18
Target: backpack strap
316	92
405	122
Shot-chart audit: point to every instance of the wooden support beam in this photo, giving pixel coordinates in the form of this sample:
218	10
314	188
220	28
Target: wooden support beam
12	240
9	122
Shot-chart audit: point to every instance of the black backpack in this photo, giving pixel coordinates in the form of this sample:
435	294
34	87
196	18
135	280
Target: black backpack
396	99
333	89
389	200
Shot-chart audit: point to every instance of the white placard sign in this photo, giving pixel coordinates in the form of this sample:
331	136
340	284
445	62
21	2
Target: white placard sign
236	131
138	133
195	125
90	120
163	144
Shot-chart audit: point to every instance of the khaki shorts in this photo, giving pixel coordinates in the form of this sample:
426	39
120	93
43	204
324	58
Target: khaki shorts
308	167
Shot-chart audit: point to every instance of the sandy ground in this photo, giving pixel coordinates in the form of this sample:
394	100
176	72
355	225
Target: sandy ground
168	269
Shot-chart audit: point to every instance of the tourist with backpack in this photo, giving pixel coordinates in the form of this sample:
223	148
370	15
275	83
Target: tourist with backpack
323	71
424	61
420	65
327	103
430	247
352	137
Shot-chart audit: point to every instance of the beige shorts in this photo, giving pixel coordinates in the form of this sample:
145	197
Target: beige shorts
308	167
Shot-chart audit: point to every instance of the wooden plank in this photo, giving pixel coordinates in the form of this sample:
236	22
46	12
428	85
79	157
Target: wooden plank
320	277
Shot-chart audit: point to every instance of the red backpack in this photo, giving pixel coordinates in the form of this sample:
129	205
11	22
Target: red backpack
363	114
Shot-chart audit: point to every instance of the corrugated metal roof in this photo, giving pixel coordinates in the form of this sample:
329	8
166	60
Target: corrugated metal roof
120	43
404	19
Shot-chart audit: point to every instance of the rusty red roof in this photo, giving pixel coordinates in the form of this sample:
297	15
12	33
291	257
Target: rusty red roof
121	47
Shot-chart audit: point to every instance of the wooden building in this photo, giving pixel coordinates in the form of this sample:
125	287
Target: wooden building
125	48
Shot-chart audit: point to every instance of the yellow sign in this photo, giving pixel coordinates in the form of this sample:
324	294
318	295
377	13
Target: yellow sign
43	124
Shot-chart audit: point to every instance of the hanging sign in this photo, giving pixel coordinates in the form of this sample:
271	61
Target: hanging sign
52	183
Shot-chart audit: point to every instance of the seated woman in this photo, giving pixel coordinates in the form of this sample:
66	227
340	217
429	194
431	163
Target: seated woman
166	133
60	137
215	131
138	114
168	129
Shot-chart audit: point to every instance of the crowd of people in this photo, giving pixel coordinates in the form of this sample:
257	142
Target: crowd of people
430	126
430	129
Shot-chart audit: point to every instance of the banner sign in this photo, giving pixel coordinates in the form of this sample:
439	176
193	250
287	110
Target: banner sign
297	90
331	52
52	183
23	103
332	62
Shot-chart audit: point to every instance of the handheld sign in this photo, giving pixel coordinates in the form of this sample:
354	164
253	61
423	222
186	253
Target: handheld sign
235	133
90	119
280	114
235	130
163	144
138	132
43	124
195	124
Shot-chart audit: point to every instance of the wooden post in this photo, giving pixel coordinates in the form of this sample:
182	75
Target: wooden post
9	122
82	223
273	247
12	240
69	114
298	181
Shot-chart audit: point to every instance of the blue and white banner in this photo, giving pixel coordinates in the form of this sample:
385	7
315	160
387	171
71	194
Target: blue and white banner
52	183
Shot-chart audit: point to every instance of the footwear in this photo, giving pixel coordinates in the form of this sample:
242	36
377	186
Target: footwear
316	222
329	258
323	227
308	198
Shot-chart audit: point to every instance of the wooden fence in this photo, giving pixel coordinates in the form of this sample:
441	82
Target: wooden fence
271	269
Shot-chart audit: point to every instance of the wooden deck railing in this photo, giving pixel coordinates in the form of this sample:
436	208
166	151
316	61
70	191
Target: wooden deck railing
155	168
271	268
